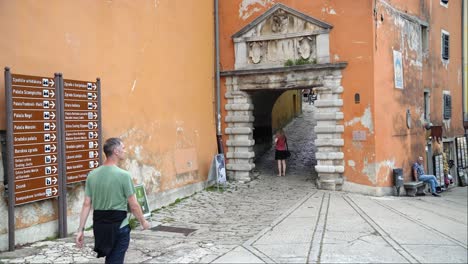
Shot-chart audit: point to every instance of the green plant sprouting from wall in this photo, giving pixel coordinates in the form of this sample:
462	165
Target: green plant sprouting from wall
299	61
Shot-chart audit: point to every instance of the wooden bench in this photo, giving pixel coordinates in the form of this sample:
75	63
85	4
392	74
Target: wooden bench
415	188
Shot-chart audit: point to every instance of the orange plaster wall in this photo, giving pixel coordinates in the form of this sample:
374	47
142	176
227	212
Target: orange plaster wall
396	145
351	40
155	60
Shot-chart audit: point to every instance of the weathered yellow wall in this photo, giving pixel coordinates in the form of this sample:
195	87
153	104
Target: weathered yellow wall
155	61
286	107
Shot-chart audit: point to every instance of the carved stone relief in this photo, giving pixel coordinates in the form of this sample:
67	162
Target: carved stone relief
304	48
256	52
280	22
283	34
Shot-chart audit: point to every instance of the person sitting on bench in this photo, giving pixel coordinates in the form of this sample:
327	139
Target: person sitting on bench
420	175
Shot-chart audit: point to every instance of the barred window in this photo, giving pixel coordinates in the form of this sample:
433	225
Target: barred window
445	46
447	106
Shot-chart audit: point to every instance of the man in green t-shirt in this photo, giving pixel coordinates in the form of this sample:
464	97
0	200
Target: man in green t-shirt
108	191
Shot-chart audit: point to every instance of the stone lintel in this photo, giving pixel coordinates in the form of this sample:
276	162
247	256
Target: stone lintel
282	69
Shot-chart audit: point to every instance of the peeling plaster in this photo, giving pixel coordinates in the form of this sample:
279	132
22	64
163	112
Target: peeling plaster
137	151
369	171
389	165
246	9
143	174
365	120
328	10
372	170
336	57
351	163
134	84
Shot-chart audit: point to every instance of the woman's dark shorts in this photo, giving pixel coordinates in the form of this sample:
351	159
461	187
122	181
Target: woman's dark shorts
281	154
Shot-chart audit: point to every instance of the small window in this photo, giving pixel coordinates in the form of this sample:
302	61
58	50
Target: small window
445	45
444	3
447	106
424	39
427	105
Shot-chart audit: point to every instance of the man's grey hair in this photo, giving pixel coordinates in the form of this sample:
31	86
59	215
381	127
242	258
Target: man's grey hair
110	145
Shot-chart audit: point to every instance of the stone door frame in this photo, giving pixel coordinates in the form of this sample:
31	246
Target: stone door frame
326	78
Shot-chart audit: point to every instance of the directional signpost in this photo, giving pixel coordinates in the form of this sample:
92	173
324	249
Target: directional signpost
34	129
82	128
53	139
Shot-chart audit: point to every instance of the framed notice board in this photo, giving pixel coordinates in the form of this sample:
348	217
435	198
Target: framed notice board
142	199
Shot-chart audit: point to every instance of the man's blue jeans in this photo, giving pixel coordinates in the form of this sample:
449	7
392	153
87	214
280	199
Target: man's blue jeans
431	179
117	254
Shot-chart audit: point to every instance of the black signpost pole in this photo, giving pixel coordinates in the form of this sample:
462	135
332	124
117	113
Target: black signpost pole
98	84
11	178
62	178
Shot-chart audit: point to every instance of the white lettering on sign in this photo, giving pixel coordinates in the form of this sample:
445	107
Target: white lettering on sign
78	146
25	139
24	104
22	115
72	105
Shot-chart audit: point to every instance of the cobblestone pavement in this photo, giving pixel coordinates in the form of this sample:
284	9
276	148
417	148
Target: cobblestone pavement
301	137
223	220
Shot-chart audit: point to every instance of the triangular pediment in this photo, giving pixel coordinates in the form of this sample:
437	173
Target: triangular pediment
281	19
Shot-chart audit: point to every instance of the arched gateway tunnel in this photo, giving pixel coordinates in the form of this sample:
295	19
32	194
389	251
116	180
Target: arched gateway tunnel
251	94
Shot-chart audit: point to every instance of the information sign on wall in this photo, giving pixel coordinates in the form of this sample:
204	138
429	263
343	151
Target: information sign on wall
220	169
33	128
81	107
398	69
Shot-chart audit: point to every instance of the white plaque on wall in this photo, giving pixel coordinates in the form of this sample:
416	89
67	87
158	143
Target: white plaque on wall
398	69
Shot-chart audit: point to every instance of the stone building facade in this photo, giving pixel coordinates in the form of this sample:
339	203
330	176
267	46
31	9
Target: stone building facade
367	123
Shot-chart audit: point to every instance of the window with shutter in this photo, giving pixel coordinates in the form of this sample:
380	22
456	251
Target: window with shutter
447	106
445	46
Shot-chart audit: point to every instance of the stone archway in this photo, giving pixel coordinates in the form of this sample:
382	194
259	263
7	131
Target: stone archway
283	36
326	78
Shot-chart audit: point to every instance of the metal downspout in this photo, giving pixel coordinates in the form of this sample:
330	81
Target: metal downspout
463	65
217	82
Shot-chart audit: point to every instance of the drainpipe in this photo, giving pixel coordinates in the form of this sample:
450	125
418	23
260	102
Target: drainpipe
217	81
463	65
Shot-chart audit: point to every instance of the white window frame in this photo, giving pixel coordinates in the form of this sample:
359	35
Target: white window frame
446	92
424	39
443	32
427	105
